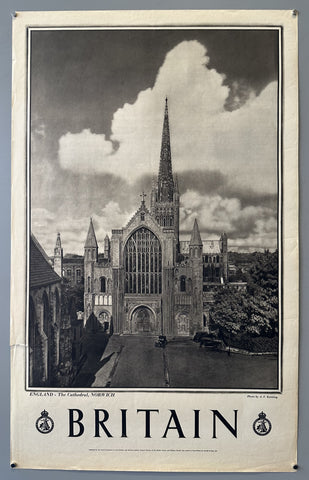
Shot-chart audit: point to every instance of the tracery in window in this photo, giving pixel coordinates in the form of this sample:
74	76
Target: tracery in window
143	263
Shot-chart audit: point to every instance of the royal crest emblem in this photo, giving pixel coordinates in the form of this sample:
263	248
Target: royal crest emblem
262	425
44	423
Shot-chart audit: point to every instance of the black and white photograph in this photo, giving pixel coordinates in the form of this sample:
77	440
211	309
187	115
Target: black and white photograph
154	208
154	268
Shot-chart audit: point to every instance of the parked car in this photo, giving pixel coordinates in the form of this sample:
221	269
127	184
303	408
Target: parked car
199	335
162	341
207	340
210	343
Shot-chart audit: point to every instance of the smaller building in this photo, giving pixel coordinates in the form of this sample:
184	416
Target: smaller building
73	269
55	329
44	318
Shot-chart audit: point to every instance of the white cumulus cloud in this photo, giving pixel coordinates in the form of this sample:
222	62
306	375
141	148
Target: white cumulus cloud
250	225
241	143
74	230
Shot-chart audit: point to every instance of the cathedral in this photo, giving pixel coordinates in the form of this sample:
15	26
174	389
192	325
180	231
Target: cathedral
148	281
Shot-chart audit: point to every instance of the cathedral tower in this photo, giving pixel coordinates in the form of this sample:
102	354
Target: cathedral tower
58	256
165	195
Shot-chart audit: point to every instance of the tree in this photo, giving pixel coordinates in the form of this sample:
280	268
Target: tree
228	314
253	312
72	297
264	273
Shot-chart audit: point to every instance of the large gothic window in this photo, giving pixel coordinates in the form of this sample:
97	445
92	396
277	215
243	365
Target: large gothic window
143	263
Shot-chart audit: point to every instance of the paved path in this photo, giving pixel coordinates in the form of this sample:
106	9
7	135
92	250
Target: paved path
134	362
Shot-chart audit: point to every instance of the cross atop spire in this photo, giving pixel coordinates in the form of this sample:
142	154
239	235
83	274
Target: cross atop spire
165	178
143	195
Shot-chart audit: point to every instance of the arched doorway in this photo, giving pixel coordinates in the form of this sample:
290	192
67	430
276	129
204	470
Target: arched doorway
183	324
104	319
143	321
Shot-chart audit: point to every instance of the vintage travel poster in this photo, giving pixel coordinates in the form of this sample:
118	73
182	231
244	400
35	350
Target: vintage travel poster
154	287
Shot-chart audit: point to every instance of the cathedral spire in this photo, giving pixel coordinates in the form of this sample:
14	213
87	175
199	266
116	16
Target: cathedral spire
165	178
91	240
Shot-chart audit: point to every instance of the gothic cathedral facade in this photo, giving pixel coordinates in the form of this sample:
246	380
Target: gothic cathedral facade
148	281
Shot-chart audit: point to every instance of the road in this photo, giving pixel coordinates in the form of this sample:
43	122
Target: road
135	362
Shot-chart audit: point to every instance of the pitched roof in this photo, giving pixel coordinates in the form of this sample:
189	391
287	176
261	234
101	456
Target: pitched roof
209	246
91	240
41	272
196	236
73	261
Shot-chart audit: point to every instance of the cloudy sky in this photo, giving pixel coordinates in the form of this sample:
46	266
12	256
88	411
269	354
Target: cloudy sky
97	104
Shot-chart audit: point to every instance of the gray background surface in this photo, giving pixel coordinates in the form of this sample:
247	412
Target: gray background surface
6	8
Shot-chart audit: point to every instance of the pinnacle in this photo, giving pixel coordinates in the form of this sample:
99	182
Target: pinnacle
91	240
196	236
58	241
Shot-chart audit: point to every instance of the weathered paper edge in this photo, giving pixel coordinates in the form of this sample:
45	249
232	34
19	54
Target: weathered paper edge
18	227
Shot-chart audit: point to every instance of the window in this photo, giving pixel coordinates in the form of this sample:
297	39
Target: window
69	272
143	263
57	307
89	284
103	284
45	314
182	284
78	275
205	272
